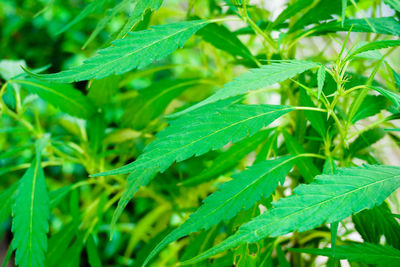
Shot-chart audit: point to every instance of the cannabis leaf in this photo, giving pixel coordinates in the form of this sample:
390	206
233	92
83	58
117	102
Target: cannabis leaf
330	198
393	97
384	25
89	9
246	188
256	79
195	134
372	46
137	50
221	37
153	100
228	159
63	96
365	253
138	13
31	214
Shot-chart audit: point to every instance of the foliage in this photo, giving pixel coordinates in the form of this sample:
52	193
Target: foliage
202	133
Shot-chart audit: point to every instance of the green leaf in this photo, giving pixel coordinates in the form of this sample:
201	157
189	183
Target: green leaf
110	14
366	139
93	7
393	97
63	96
370	106
222	38
372	46
377	222
316	119
242	192
384	25
153	100
195	134
137	50
291	10
137	14
59	243
6	200
323	10
305	165
228	159
395	4
344	6
396	77
93	254
365	253
31	212
321	80
256	79
330	198
102	91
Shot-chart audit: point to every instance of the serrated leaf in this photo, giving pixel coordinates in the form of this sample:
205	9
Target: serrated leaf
330	198
256	79
137	50
31	212
365	253
63	96
321	80
228	159
137	14
372	46
242	192
392	96
222	38
195	134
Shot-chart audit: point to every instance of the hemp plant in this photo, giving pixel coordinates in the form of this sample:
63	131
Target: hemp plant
200	133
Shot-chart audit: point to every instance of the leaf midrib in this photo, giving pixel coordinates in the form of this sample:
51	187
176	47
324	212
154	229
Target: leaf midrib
122	171
332	199
125	55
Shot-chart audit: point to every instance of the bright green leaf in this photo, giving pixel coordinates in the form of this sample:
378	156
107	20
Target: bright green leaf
330	198
195	134
365	253
242	192
63	96
31	212
137	50
256	79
